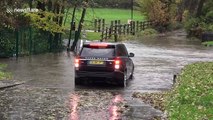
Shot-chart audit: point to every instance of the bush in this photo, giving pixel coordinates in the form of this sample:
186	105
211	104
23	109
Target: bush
148	32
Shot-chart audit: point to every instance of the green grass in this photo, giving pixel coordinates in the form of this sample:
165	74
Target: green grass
108	14
93	36
192	97
4	75
208	43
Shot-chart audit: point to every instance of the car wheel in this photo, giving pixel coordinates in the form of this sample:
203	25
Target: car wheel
77	81
123	83
131	76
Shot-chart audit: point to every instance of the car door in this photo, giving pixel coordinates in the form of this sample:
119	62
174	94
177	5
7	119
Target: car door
123	54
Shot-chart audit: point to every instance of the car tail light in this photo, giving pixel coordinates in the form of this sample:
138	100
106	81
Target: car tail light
77	61
117	64
98	45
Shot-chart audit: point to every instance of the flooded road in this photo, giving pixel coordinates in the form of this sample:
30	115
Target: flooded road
50	93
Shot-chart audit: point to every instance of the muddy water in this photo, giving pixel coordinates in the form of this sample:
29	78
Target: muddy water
50	93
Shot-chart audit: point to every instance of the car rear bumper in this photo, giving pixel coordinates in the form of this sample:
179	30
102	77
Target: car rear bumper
116	75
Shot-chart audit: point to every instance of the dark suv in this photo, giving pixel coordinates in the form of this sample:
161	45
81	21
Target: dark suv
108	62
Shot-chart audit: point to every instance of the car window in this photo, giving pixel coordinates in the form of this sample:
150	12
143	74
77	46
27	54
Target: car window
121	50
97	52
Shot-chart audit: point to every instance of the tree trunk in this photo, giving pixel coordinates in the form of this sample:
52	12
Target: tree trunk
77	36
200	7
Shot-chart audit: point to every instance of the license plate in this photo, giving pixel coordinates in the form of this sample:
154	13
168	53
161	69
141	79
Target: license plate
96	62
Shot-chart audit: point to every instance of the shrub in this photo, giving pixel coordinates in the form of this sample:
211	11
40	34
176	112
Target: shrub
148	32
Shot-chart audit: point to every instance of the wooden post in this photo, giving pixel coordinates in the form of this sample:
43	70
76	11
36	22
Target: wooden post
116	25
99	25
112	28
110	32
137	26
103	24
95	25
133	27
127	29
119	29
102	36
106	34
143	25
124	29
119	22
115	34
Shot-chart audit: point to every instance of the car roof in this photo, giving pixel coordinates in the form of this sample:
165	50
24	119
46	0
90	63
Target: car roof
108	43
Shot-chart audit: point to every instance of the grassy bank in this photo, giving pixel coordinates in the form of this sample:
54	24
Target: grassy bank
108	14
208	43
4	75
192	97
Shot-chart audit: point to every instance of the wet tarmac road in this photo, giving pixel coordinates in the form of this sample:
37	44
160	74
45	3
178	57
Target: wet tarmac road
50	93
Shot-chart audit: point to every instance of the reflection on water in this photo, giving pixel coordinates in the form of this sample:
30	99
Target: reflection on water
73	105
114	110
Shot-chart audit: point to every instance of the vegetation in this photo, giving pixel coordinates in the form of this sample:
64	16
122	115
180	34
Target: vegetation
161	12
148	32
192	96
93	36
109	3
208	43
4	75
31	32
197	16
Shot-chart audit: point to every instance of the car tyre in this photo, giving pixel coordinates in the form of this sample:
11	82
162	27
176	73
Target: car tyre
123	82
77	81
131	76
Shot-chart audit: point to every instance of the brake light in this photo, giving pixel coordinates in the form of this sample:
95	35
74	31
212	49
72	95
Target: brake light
117	64
77	61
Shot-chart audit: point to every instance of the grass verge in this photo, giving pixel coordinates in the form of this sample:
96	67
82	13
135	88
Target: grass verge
4	75
192	96
208	43
93	36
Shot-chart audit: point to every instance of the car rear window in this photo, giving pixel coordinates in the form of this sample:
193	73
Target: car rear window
98	52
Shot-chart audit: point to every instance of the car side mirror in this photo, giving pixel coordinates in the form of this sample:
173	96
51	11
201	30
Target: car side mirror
131	54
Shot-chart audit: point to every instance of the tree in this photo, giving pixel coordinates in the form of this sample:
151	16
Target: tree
159	11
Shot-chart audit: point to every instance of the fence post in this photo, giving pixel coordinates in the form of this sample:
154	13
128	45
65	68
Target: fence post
106	37
127	29
102	36
133	27
143	25
95	25
99	25
137	26
115	33
124	29
103	24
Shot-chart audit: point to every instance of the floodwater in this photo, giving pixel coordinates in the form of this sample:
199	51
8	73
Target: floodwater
50	93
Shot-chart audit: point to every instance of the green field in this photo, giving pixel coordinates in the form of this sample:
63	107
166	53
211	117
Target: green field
103	13
208	43
192	97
